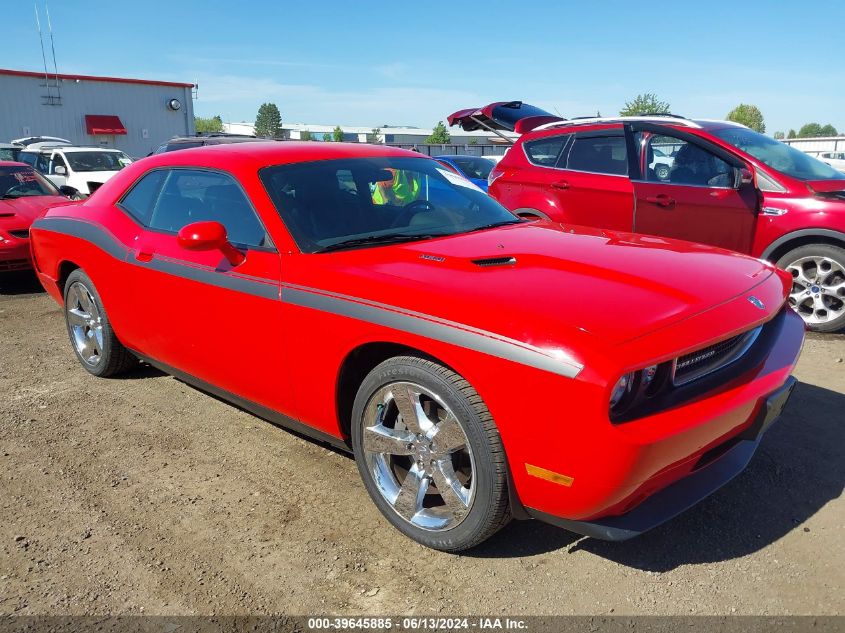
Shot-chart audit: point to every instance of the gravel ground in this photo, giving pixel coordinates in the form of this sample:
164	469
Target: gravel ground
143	495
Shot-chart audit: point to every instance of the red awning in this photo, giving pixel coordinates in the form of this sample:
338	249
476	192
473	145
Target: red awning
103	124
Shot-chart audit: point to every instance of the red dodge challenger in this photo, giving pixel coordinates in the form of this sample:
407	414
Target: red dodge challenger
479	367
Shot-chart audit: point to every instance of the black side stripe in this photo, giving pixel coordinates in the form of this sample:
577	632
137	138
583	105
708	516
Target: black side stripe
385	315
107	242
431	327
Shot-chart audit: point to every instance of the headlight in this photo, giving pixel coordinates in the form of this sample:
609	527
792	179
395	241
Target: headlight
623	387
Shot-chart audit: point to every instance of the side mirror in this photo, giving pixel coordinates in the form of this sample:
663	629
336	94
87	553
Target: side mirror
744	177
69	192
59	170
209	236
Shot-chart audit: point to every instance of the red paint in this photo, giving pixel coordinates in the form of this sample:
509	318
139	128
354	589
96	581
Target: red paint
120	80
613	301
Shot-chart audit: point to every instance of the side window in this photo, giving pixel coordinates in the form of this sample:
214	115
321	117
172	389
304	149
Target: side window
29	159
142	198
190	195
599	154
684	163
546	151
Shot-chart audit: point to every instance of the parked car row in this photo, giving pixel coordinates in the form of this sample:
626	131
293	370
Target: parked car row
479	366
712	182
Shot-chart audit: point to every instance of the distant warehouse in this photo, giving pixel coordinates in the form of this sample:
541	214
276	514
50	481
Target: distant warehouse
133	115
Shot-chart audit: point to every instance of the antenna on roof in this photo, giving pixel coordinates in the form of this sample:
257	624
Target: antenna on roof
53	49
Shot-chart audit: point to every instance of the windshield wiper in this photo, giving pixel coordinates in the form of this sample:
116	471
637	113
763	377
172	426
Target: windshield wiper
493	225
389	238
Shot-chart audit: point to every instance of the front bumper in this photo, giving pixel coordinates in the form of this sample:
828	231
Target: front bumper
716	470
14	255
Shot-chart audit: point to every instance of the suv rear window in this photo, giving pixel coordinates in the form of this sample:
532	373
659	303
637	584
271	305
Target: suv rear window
546	151
599	154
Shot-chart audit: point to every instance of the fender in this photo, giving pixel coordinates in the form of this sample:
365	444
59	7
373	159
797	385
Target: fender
783	239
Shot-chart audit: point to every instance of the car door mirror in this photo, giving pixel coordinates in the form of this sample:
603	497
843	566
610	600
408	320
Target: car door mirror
69	192
59	170
209	236
744	177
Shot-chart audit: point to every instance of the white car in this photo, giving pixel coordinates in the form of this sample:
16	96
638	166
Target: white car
82	168
834	159
662	163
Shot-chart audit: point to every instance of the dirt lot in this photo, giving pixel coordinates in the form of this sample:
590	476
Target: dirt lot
143	495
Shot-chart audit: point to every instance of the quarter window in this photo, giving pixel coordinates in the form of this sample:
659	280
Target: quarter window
189	196
599	154
546	151
142	198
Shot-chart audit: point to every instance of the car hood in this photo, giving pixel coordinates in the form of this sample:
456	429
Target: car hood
533	281
19	213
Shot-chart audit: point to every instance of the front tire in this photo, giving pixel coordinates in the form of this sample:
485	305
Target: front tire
90	331
818	285
429	454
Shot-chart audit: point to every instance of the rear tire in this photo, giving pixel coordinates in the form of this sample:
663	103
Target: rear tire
818	288
91	335
438	476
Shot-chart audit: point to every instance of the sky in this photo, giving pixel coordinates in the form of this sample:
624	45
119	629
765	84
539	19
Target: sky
412	63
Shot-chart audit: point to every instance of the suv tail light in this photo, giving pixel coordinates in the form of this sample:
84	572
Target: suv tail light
494	174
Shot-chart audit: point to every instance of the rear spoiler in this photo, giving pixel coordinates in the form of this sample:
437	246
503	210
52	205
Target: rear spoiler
510	116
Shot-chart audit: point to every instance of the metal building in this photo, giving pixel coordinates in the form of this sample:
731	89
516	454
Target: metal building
133	115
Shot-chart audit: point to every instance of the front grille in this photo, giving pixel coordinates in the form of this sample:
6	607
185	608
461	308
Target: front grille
20	233
14	264
709	359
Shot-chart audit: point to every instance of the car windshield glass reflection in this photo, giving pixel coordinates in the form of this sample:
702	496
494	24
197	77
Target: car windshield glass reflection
358	202
97	161
19	182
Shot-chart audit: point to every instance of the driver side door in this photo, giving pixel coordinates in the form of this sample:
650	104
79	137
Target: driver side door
697	199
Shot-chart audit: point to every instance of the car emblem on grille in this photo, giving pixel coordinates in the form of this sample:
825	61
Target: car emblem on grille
756	302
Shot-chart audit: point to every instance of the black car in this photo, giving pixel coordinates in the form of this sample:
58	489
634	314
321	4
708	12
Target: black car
216	138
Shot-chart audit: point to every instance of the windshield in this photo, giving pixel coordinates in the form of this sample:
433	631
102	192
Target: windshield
9	153
474	167
779	156
368	200
18	182
97	161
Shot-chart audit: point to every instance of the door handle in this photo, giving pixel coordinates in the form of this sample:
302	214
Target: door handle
560	185
661	200
143	256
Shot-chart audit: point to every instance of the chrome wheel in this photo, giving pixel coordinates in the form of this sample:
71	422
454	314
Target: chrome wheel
662	171
86	323
418	455
818	289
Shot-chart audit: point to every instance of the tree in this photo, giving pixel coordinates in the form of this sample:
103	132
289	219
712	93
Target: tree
791	134
829	130
749	116
337	134
778	136
268	122
327	137
211	124
374	136
647	103
809	130
439	135
305	135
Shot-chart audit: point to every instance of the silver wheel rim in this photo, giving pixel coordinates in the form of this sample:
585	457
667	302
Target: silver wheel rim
419	456
818	289
86	324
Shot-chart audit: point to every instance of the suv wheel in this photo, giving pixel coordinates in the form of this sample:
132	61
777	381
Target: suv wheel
818	285
429	454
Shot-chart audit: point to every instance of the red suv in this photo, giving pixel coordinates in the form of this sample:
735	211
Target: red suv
713	182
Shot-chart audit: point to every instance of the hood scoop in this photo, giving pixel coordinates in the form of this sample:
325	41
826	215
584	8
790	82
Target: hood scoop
487	262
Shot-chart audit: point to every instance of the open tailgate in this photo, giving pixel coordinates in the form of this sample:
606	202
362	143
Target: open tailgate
511	116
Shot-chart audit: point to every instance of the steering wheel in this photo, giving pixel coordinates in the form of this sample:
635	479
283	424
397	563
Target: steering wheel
404	217
21	188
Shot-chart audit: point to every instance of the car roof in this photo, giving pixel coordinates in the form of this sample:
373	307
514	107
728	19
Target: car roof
265	153
68	148
667	120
